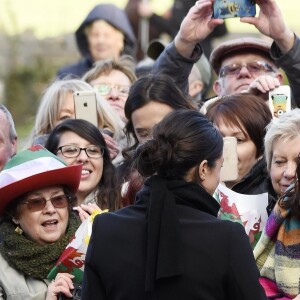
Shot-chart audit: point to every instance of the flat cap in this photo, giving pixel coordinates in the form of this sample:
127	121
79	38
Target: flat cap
235	45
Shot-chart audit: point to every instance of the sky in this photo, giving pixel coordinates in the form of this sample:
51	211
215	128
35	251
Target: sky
53	17
48	18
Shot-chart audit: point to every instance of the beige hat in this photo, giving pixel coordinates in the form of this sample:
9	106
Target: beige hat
235	45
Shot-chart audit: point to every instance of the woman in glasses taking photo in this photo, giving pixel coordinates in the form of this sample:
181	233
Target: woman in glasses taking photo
80	142
37	192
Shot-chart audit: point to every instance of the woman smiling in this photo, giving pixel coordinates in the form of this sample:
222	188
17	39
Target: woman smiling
37	192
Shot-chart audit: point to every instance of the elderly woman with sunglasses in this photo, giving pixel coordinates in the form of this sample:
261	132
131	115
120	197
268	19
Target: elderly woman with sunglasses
80	142
37	192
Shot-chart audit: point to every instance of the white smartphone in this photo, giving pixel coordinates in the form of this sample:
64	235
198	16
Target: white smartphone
229	169
280	100
85	104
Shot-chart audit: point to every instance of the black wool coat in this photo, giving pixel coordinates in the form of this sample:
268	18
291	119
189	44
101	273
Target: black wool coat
211	259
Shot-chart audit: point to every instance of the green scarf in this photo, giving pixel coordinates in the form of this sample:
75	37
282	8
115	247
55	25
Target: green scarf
30	258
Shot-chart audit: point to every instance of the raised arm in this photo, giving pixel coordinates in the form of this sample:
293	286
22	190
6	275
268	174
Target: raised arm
178	58
286	47
195	27
270	22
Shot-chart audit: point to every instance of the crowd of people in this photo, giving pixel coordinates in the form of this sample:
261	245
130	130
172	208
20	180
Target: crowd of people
153	161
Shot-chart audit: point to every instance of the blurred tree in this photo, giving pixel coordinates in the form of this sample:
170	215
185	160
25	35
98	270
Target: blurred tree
23	88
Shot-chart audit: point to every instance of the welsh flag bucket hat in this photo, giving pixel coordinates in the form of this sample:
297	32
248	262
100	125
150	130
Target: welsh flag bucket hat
32	169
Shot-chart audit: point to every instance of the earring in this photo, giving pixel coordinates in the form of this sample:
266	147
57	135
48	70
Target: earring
18	230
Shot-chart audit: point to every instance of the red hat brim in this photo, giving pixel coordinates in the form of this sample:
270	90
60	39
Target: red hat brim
68	176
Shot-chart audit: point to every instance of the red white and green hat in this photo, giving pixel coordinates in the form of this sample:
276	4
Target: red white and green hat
32	169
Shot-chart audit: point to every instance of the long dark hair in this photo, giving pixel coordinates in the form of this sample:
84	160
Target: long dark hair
181	141
152	88
108	193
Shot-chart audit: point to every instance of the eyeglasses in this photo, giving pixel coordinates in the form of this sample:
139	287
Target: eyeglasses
37	204
74	151
106	88
252	67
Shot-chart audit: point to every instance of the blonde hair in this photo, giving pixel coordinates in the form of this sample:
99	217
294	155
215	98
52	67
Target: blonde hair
51	103
285	128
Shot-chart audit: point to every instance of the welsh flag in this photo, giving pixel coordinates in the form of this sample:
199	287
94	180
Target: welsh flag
248	210
72	259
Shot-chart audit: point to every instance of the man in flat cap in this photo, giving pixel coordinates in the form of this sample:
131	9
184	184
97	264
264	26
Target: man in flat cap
243	63
246	64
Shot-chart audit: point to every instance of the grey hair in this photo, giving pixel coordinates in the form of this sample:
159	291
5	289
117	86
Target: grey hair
12	129
285	128
51	103
124	64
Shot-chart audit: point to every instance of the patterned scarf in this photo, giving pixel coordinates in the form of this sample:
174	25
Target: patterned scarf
30	258
277	255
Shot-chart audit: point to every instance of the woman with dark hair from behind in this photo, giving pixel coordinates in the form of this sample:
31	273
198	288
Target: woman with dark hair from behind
172	243
98	181
150	99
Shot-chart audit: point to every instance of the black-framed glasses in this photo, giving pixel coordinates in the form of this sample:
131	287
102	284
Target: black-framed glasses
71	151
252	67
38	203
106	88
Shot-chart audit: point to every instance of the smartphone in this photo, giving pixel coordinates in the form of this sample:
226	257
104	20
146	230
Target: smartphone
76	293
85	104
280	100
224	9
229	169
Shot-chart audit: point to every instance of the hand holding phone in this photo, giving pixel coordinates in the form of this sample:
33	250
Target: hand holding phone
224	9
76	292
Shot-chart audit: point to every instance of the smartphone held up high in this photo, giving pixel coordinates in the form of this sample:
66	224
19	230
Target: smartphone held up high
85	103
224	9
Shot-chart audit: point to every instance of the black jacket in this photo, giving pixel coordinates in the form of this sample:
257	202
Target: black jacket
253	182
257	181
114	16
171	244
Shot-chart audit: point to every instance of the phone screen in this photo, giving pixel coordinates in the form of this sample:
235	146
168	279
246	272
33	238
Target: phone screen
224	9
280	100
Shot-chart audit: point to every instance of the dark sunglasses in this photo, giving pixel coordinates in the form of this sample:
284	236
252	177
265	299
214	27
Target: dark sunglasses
37	204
